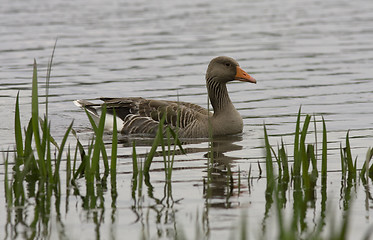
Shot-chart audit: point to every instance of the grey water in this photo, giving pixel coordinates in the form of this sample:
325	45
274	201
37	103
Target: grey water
313	54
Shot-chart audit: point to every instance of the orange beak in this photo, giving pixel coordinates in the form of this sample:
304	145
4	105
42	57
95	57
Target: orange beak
241	75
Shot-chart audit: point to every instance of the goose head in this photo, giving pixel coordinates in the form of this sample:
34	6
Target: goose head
225	69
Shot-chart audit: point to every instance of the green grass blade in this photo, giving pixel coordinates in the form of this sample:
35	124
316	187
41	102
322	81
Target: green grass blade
50	138
297	162
164	153
101	127
170	160
161	142
90	148
303	151
151	154
113	161
177	140
365	167
68	167
19	192
305	129
140	181
64	139
60	152
343	167
99	130
305	166
114	148
135	169
157	140
48	155
369	156
94	168
284	161
269	163
46	134
81	169
311	153
315	127
277	159
89	178
324	151
7	187
75	155
35	121
350	165
28	138
18	130
48	77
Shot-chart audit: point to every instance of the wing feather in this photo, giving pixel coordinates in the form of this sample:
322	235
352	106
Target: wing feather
143	115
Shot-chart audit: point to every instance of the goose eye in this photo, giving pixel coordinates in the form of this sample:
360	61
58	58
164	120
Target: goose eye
228	64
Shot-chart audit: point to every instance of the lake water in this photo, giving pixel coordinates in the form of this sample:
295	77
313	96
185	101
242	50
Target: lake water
314	54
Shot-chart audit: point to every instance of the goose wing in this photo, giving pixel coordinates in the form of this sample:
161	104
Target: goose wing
141	115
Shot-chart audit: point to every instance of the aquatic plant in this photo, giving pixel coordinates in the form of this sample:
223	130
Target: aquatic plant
36	168
33	173
304	182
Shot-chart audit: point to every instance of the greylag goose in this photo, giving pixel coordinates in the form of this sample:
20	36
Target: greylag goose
136	115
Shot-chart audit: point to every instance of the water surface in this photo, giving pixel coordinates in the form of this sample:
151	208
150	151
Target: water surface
314	54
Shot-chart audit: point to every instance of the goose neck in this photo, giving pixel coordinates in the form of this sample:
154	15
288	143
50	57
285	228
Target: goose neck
218	95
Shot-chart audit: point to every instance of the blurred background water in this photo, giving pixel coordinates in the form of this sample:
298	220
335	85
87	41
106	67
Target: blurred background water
314	54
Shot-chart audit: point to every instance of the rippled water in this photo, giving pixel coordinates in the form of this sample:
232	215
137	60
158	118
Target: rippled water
314	54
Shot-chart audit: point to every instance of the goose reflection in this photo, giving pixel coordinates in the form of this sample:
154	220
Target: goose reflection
222	182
